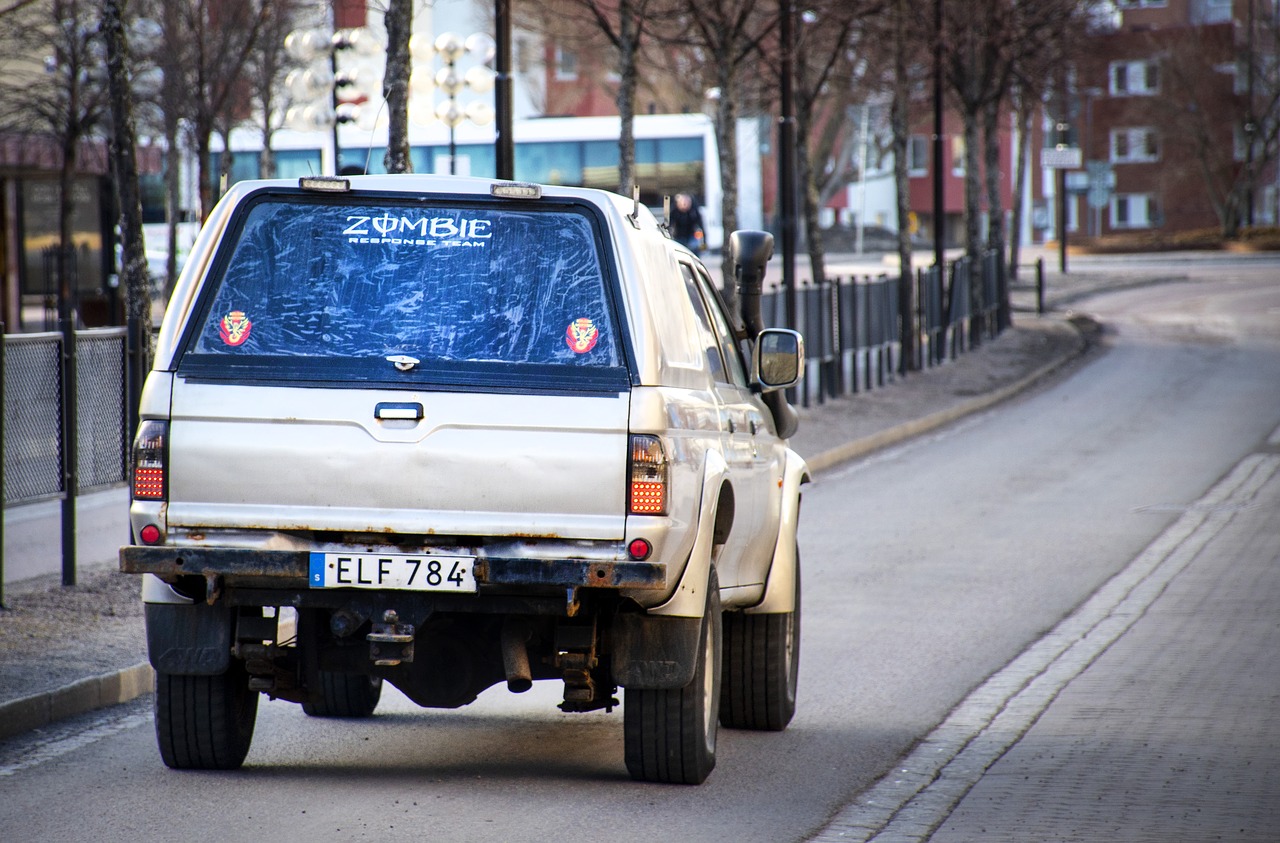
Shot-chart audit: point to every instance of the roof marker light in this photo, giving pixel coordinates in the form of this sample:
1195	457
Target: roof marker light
516	190
331	184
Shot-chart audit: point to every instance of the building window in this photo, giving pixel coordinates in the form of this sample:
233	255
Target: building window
1134	210
566	64
1130	146
1141	4
957	155
1134	78
1215	11
917	156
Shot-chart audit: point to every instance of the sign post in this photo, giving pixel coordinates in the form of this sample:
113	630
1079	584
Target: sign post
1062	158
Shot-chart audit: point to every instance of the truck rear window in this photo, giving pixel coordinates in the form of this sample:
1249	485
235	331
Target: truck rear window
309	287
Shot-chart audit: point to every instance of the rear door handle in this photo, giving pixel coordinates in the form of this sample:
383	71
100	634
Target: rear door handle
410	410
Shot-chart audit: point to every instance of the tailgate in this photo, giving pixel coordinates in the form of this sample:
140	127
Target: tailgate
359	460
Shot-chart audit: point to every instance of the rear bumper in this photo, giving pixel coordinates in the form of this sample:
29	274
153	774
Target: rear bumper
252	568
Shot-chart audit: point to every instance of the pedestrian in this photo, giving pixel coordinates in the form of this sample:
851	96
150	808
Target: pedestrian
686	223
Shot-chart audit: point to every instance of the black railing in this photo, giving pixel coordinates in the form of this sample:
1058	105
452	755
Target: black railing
852	325
33	414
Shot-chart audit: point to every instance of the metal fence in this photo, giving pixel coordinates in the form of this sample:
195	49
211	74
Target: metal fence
33	463
852	325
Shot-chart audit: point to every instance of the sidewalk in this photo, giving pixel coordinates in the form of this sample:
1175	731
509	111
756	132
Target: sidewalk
64	651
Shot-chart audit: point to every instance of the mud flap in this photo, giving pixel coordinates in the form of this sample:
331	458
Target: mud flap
190	640
654	652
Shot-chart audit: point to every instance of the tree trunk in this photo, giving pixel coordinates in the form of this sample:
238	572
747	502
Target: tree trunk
628	44
173	156
726	126
1024	113
395	84
901	106
972	223
809	193
137	289
995	210
203	132
267	155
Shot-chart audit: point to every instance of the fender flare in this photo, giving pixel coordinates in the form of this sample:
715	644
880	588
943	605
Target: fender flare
780	587
688	599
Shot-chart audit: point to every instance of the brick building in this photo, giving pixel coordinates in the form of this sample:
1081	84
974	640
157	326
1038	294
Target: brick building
1160	113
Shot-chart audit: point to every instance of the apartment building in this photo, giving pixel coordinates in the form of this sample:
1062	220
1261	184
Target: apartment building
1160	109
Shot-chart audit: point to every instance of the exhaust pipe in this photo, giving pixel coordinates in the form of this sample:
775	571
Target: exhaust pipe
750	252
515	656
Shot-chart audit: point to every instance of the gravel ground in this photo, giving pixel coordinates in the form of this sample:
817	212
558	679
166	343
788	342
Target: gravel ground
51	636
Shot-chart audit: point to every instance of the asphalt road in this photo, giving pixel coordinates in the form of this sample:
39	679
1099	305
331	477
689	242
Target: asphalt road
928	568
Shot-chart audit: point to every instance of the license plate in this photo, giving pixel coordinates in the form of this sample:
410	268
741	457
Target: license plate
392	570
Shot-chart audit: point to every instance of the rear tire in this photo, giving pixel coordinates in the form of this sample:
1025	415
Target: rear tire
205	722
761	667
670	734
345	695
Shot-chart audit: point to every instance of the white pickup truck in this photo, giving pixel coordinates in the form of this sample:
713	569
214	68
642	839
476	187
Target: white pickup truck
446	433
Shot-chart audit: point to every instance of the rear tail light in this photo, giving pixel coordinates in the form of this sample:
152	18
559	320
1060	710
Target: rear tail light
648	492
150	461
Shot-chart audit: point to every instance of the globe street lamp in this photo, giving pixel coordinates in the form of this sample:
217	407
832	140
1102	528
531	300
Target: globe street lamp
319	86
479	79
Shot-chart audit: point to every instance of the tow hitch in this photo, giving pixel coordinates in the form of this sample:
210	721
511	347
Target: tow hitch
391	642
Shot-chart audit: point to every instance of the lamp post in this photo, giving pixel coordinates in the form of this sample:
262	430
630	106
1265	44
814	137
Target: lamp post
452	81
787	166
316	89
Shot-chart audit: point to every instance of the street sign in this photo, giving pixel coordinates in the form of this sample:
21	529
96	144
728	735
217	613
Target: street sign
1061	158
1101	183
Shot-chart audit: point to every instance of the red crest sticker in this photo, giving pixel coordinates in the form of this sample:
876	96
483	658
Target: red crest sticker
581	335
234	328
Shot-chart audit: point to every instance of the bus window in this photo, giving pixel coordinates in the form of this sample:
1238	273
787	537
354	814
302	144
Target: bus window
549	163
600	164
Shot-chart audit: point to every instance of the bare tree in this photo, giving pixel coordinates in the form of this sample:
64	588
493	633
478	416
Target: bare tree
834	58
727	36
267	66
620	29
901	79
1230	139
66	104
208	44
984	47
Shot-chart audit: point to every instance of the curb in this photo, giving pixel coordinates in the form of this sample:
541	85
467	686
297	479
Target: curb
908	430
38	710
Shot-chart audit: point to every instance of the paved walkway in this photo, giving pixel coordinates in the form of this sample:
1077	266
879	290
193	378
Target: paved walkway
1147	715
1172	733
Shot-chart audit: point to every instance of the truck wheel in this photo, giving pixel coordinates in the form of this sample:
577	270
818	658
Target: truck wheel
205	722
761	666
345	695
670	734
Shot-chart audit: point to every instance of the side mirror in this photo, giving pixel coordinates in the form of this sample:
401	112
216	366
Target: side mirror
778	360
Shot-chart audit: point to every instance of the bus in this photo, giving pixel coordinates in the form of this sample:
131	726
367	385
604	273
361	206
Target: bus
675	153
